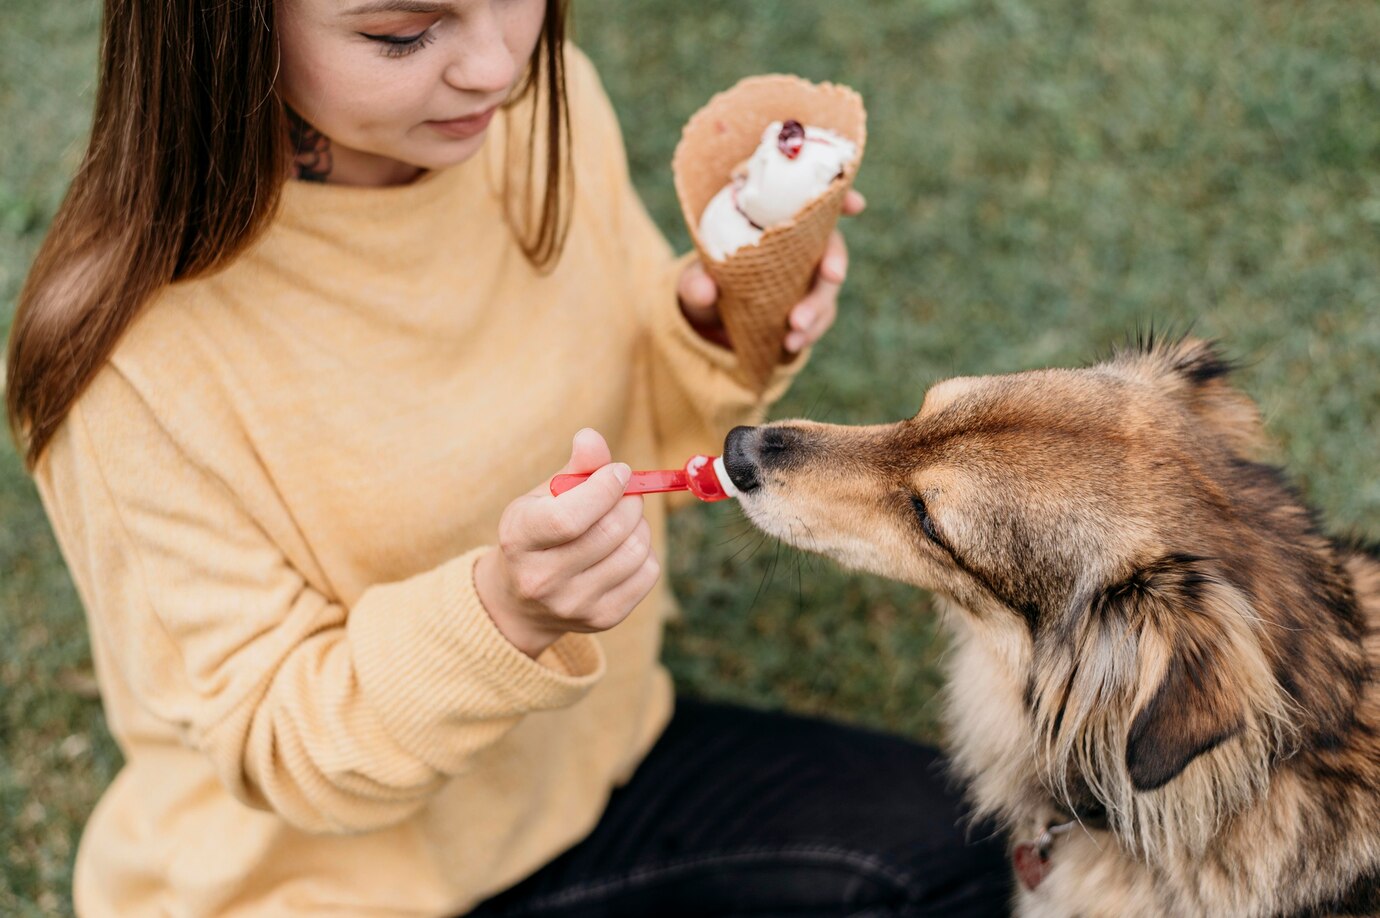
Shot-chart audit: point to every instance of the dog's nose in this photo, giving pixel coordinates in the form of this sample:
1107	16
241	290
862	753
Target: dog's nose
750	450
740	452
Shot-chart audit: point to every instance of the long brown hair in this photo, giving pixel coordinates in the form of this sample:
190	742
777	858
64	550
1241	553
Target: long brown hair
187	156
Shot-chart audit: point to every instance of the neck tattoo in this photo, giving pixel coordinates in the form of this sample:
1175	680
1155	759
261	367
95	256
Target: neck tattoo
311	160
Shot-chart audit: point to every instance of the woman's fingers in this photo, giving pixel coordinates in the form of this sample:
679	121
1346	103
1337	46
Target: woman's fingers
545	522
635	588
699	302
833	267
617	584
605	537
812	317
698	294
809	322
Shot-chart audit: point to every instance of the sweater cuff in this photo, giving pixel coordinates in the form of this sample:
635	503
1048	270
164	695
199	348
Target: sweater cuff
444	678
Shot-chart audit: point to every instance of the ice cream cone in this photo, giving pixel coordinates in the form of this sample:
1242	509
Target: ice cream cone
759	284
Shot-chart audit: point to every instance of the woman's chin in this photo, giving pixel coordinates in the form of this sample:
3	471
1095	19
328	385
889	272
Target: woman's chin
402	165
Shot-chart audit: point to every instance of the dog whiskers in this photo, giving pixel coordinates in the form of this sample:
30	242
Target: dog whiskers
742	533
819	397
799	581
749	547
766	576
810	536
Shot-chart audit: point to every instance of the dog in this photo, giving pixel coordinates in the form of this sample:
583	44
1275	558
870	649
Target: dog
1164	682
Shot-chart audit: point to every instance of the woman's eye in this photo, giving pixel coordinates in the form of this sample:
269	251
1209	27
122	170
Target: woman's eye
401	45
926	523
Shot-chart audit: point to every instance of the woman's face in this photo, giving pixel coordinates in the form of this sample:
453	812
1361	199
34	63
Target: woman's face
399	86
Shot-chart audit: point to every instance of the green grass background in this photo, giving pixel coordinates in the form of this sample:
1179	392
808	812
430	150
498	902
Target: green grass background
1043	179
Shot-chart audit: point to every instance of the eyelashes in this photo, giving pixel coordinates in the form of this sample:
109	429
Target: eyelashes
402	45
917	503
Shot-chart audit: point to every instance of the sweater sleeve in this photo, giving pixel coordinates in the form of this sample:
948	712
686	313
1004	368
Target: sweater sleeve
338	719
696	397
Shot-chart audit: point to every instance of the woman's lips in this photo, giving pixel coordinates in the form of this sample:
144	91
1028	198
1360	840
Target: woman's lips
469	126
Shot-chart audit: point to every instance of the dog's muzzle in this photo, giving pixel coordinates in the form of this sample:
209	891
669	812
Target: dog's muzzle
751	451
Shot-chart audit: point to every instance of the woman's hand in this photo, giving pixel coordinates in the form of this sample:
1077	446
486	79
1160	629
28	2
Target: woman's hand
578	562
809	319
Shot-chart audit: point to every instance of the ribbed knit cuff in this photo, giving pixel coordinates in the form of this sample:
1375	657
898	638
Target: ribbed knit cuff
445	680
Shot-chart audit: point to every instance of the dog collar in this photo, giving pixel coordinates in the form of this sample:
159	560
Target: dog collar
1031	859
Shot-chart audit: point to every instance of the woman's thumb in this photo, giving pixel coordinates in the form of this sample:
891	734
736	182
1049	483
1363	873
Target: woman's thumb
588	451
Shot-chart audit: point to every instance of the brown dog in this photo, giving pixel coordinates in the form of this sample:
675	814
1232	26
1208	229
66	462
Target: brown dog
1166	680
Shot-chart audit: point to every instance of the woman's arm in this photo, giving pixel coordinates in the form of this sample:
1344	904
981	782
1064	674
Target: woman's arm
338	719
696	395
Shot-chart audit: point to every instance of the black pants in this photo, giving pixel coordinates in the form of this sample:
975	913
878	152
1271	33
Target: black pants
737	812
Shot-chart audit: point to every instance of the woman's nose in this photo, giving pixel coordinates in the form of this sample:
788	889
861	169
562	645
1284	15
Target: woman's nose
483	64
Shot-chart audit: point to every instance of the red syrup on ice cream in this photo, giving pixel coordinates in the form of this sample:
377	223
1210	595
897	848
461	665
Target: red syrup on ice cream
703	476
791	138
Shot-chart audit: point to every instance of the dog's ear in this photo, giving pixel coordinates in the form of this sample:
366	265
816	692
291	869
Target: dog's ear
1187	618
1195	373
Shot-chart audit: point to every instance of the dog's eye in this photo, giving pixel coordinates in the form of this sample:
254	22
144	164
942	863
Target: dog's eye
926	524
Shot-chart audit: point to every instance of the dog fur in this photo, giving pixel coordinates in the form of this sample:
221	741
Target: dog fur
1149	626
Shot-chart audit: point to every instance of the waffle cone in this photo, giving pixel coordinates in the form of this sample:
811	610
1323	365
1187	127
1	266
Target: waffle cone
759	284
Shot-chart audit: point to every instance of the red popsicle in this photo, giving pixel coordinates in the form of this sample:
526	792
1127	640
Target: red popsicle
703	476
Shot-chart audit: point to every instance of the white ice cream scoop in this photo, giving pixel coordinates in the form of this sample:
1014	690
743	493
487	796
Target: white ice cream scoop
724	228
793	165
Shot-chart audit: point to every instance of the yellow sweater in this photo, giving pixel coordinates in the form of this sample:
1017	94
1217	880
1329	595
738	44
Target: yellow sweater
271	500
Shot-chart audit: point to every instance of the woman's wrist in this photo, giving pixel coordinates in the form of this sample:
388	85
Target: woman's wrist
491	584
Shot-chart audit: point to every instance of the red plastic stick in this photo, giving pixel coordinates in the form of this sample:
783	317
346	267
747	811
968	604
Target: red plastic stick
700	477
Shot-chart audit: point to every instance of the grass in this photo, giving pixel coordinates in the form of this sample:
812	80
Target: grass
1043	179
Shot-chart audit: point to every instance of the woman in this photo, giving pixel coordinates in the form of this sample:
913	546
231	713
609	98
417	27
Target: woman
291	370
